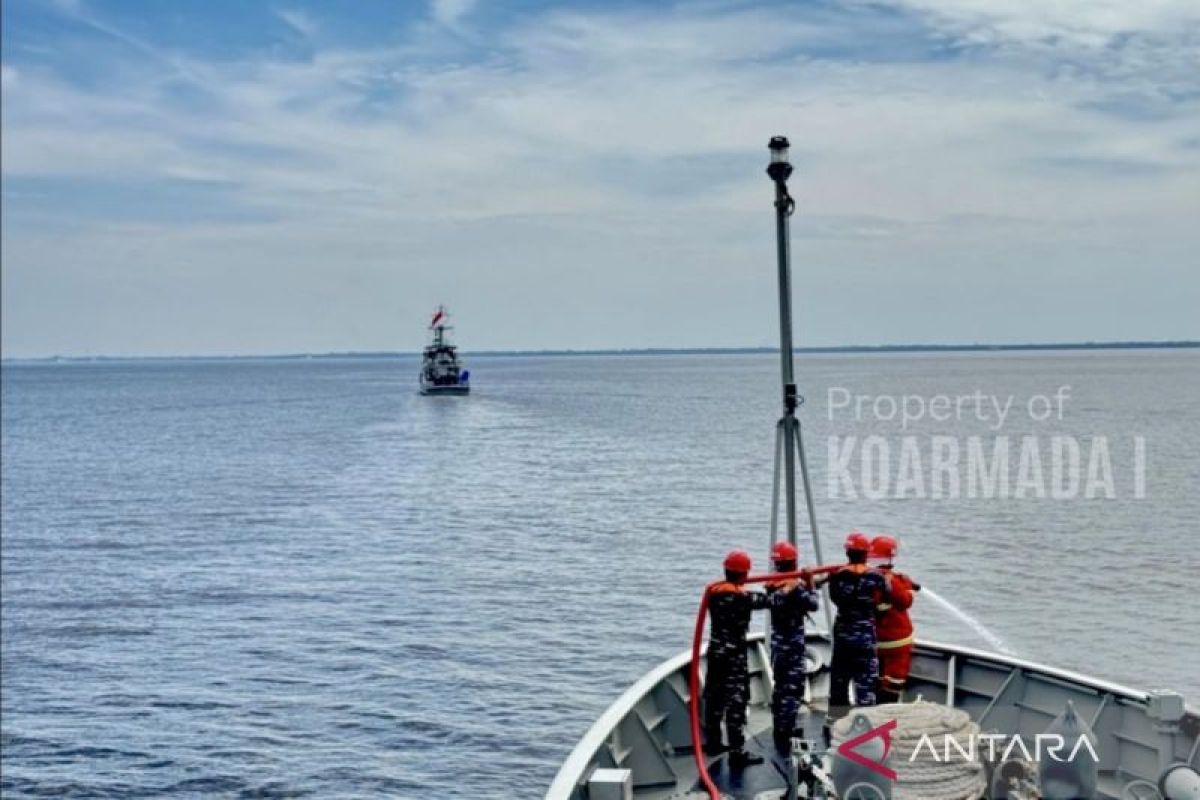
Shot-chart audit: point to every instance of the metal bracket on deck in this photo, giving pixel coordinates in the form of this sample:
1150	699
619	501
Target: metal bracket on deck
611	784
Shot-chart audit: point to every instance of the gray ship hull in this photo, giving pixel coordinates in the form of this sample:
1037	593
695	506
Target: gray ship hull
647	729
459	389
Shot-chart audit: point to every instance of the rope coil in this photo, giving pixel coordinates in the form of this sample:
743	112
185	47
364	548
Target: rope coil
922	774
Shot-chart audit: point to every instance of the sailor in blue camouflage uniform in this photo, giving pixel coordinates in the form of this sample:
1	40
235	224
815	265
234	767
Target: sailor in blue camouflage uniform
791	602
727	683
856	590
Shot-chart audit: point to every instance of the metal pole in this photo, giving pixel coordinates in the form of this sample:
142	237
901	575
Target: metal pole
812	513
775	485
774	514
783	207
812	521
779	171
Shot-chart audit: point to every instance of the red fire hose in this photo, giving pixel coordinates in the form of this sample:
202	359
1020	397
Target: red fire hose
694	678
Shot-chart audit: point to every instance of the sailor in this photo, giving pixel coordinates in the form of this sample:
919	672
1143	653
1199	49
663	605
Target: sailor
727	686
893	628
856	590
791	601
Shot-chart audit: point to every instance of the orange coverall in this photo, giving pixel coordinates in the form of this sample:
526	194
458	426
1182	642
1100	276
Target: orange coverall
894	631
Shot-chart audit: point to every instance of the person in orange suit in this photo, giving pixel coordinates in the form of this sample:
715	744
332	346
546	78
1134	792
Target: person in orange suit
894	628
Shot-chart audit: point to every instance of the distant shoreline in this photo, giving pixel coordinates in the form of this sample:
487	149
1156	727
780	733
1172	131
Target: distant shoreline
647	351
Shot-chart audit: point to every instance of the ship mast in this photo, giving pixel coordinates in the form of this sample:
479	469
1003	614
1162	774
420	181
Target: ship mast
439	327
789	441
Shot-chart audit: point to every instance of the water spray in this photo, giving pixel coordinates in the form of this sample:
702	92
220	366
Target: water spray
974	624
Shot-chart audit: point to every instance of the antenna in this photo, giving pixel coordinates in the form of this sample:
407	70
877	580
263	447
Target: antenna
789	441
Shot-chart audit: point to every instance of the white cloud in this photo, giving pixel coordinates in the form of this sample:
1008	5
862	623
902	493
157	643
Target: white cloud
612	156
299	21
1081	22
450	13
192	174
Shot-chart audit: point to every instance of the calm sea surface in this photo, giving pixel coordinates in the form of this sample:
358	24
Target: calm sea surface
289	578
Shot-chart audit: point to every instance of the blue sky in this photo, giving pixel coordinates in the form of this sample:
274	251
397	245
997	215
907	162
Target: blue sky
239	177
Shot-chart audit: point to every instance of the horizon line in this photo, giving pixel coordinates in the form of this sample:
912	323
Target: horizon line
1166	344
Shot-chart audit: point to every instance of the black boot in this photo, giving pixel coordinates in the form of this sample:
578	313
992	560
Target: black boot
783	741
885	696
712	743
740	759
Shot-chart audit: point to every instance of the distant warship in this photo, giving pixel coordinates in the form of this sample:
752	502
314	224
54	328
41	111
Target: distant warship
441	369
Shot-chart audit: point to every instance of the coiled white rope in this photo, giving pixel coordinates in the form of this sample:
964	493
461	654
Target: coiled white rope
922	773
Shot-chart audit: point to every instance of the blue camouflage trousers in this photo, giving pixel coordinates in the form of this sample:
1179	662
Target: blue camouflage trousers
726	692
853	662
787	668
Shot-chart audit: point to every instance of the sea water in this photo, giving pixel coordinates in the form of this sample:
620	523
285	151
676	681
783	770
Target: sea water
299	577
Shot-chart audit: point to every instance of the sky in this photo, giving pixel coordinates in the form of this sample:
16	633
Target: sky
229	177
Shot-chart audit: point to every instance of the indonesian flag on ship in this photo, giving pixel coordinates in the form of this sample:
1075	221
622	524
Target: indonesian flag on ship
438	317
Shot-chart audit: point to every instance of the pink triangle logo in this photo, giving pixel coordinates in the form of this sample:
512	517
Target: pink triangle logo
884	732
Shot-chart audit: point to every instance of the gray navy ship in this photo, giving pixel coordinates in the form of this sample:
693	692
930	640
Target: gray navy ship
442	371
972	724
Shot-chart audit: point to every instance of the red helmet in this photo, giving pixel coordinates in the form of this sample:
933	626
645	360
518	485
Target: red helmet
737	561
858	541
784	551
884	548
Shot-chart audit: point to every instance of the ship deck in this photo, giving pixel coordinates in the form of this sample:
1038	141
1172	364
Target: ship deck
647	730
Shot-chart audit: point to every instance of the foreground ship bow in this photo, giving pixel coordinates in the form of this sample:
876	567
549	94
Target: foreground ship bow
1145	744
